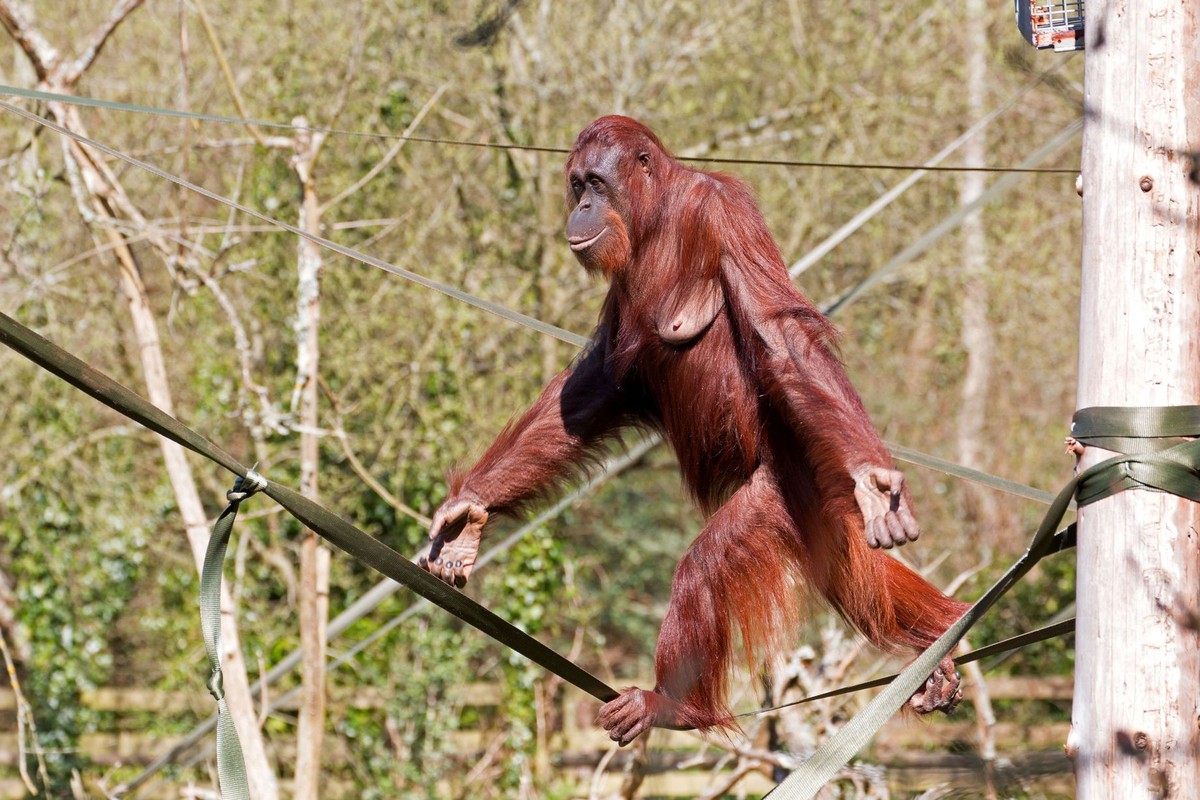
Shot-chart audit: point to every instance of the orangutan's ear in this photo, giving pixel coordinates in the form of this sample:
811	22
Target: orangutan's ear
690	315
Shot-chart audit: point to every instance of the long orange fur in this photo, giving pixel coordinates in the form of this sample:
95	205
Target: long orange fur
760	412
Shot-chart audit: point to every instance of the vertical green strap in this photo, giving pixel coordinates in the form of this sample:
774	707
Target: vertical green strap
231	767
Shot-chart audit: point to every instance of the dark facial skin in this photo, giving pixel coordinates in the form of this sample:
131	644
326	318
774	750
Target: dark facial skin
598	228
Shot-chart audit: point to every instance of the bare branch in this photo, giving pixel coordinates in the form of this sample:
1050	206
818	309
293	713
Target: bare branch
279	561
267	418
960	580
985	721
71	72
598	773
18	21
392	152
359	469
635	770
489	755
750	132
264	691
219	53
745	767
25	722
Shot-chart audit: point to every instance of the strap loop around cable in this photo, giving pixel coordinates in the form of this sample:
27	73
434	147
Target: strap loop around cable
244	486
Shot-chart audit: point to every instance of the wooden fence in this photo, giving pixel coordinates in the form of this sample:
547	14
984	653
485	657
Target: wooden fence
918	754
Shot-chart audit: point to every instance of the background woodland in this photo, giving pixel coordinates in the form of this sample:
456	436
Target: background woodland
967	352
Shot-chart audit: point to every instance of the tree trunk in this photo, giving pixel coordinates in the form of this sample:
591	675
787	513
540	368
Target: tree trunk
978	341
233	666
96	193
1137	698
977	336
314	557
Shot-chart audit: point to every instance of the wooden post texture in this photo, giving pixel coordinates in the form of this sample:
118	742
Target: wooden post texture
1136	718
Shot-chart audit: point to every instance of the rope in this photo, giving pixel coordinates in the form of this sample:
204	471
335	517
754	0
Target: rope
777	162
329	526
112	105
884	200
231	767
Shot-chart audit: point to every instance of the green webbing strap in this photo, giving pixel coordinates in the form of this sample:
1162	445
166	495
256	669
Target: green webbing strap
980	477
1017	642
1135	430
820	768
328	525
1173	470
231	768
1157	446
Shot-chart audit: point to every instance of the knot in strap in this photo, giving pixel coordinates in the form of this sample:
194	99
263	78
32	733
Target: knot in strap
216	685
244	487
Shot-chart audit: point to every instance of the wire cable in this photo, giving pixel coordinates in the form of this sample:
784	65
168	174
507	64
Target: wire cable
112	105
429	283
823	249
514	316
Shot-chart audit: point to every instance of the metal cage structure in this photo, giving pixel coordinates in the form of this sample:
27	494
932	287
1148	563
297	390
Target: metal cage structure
1057	25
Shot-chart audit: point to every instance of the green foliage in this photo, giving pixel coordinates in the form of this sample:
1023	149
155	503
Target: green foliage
626	571
1034	601
77	567
534	595
408	753
396	109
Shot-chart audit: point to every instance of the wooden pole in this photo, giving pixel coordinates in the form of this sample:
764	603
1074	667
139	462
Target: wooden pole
1136	711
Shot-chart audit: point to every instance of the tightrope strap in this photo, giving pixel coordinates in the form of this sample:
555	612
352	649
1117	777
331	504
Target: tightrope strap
231	767
1175	469
903	453
1136	430
328	525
